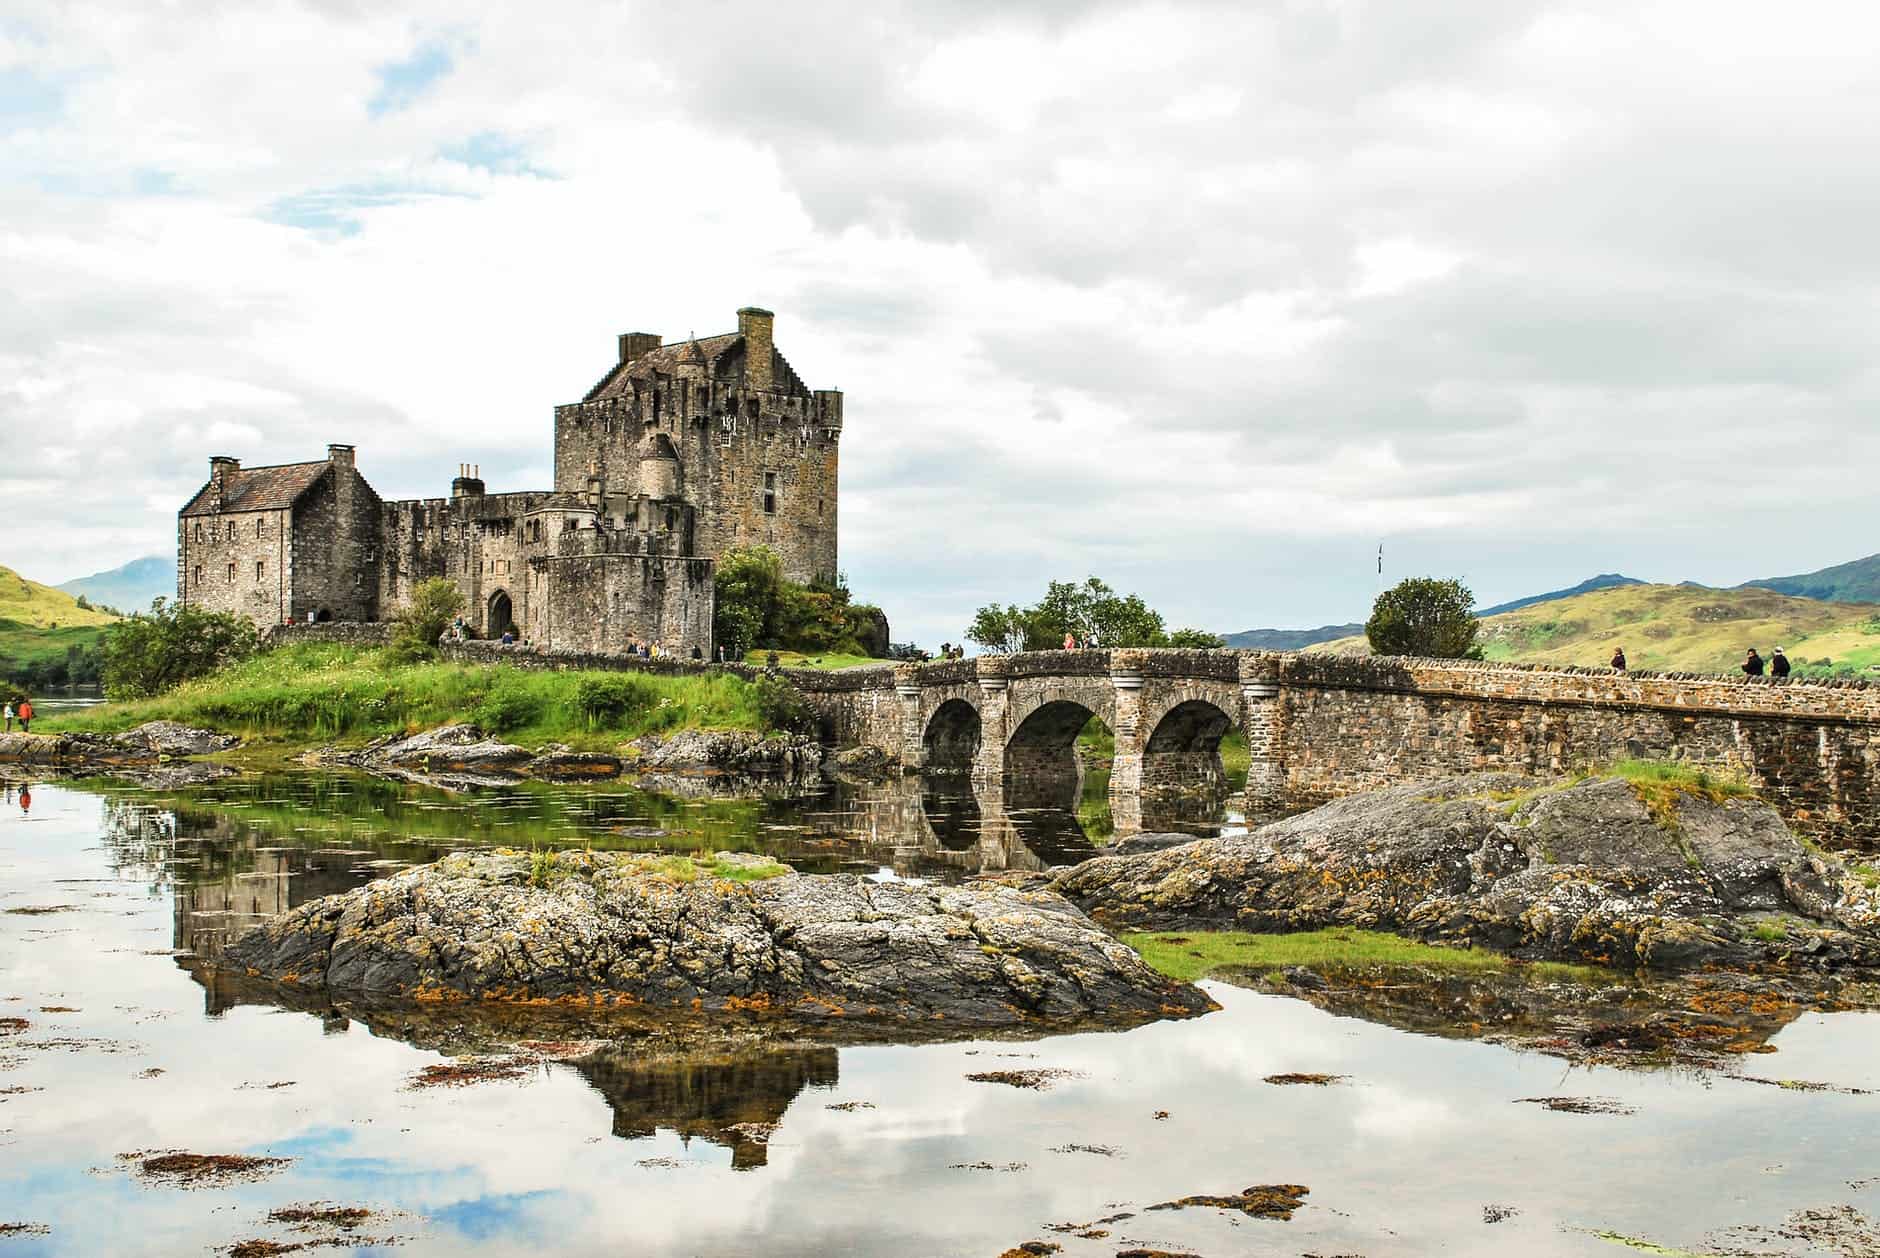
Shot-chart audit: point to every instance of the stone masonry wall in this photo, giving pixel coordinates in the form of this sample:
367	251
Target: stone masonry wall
336	549
1350	724
236	562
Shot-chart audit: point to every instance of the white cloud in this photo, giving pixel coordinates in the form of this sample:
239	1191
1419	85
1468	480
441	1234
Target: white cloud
1204	298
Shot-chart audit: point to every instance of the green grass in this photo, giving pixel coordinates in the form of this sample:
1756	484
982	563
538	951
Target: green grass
30	605
322	691
1659	783
1191	954
799	659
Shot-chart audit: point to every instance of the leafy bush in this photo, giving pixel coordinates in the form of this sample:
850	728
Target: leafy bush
155	651
421	622
760	607
609	699
782	706
510	705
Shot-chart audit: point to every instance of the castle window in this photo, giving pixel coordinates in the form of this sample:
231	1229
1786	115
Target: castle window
231	530
770	493
819	507
750	408
261	569
198	577
257	526
199	530
231	572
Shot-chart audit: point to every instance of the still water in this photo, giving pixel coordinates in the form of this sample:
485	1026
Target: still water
111	1045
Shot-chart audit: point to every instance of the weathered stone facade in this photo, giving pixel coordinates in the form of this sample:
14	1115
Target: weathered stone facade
680	453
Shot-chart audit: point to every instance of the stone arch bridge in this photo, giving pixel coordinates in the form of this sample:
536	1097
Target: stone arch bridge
1320	725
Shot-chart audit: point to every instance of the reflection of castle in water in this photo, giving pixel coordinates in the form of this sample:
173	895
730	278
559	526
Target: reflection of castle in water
729	1098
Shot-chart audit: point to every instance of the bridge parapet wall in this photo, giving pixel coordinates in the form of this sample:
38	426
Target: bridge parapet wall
1342	725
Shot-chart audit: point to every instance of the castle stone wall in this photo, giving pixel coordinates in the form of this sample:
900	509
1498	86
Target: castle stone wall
335	550
217	563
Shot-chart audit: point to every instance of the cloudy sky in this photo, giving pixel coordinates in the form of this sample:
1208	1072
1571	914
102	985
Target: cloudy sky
1207	300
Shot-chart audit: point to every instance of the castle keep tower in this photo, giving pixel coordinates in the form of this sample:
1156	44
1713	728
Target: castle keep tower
722	424
680	453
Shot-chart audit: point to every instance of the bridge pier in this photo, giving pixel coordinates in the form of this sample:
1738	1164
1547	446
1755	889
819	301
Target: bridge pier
913	734
1261	714
989	764
1130	737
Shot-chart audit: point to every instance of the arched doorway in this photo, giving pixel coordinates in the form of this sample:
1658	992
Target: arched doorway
951	741
502	615
322	616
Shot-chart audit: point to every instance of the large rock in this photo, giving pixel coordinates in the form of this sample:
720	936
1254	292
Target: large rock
731	751
1583	872
603	927
172	738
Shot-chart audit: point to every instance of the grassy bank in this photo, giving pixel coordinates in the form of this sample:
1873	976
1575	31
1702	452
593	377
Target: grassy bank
329	692
1193	954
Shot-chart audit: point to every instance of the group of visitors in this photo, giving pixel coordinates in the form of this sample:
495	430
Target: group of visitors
1753	664
23	714
952	651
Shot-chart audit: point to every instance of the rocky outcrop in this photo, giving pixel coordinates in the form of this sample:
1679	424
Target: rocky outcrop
1581	872
148	744
1159	841
741	752
614	928
463	756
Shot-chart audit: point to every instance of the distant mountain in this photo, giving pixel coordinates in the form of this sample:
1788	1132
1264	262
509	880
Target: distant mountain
1856	582
1300	639
1604	581
1288	639
129	588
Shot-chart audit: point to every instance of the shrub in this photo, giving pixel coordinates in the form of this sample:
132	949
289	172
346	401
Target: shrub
510	705
157	650
783	707
609	699
434	604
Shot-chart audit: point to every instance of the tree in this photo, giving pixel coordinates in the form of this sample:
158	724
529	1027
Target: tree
434	604
1197	639
1424	616
749	586
1092	609
1001	630
153	651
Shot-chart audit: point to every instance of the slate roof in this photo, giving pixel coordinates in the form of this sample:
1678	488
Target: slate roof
259	488
706	350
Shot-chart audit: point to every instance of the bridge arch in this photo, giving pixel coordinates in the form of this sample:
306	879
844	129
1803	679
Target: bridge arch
1182	753
950	738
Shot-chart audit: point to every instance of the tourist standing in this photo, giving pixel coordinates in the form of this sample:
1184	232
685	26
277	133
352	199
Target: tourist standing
1779	664
26	716
1070	641
1618	659
1752	664
9	716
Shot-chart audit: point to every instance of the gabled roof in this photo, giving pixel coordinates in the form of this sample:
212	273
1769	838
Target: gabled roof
259	488
705	350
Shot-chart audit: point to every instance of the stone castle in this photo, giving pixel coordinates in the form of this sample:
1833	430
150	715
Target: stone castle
680	453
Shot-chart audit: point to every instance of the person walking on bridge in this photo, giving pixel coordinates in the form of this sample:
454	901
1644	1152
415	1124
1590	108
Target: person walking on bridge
26	716
1070	640
9	716
1778	664
1618	659
1752	664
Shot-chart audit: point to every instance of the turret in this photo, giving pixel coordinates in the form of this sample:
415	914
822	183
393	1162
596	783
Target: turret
756	326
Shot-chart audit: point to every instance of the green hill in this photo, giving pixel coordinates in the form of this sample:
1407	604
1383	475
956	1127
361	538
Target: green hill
1854	582
1681	628
43	631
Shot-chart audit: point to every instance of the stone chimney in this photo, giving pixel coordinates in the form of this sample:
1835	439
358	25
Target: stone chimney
222	469
633	344
754	326
340	456
469	482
